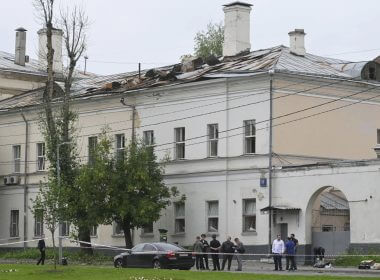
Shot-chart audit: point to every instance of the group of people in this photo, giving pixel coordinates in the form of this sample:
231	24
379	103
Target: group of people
289	248
227	250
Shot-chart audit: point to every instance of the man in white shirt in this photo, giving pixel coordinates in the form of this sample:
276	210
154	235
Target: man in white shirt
278	248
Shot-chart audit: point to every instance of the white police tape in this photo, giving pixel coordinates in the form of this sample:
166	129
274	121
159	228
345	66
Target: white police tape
219	253
20	242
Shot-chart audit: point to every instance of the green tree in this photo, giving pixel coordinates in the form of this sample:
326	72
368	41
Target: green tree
138	193
209	42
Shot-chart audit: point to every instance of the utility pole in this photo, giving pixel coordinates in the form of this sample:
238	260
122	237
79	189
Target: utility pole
133	107
58	167
271	74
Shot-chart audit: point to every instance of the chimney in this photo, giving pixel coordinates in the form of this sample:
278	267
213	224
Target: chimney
57	35
297	42
20	48
236	28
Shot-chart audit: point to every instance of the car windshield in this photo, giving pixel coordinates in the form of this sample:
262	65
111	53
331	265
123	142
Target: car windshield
168	247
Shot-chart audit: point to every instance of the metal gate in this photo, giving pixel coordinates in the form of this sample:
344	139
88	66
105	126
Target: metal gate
334	242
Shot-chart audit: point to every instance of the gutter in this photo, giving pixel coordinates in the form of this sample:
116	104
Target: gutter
25	179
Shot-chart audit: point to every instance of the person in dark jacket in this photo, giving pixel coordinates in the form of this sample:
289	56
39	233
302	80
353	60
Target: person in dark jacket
215	248
228	250
205	250
290	249
41	246
239	249
198	248
295	240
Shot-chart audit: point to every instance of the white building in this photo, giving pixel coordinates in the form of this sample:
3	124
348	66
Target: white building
214	123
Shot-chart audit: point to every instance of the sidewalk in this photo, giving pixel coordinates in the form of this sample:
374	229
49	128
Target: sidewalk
256	267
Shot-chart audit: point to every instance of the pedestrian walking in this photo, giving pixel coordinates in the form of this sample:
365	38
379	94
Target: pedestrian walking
295	240
198	248
290	252
228	250
205	249
215	249
42	247
239	249
278	248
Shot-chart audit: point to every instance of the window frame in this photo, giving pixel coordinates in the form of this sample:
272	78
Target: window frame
91	148
16	149
179	140
65	225
14	229
119	150
41	157
214	140
150	227
38	223
94	231
212	217
249	137
148	138
250	215
179	218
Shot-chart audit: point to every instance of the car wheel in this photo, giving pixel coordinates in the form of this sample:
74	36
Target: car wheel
156	264
118	263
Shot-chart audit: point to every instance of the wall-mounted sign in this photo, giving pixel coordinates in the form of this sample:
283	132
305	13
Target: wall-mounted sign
263	182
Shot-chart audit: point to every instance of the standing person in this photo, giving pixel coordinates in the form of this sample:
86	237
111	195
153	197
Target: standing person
215	248
278	248
290	248
41	246
228	250
205	250
295	240
198	248
239	249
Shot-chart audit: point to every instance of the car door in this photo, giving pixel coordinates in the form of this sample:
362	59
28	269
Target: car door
146	258
133	259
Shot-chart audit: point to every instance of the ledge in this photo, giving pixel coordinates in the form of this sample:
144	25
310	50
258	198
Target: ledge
248	233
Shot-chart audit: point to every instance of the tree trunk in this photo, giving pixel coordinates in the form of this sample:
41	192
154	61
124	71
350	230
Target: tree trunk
127	234
54	252
84	235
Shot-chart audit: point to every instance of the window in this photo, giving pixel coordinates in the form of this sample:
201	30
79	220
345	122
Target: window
249	215
17	158
147	229
249	137
40	157
92	142
149	248
148	138
38	223
65	228
378	136
94	231
117	230
213	135
212	216
179	142
120	146
179	213
14	232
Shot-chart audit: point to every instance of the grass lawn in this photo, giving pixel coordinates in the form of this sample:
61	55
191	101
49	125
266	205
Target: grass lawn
33	272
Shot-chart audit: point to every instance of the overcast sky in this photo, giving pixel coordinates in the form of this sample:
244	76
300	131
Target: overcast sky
158	32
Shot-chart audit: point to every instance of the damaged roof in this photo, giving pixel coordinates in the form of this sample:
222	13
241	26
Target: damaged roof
278	58
7	64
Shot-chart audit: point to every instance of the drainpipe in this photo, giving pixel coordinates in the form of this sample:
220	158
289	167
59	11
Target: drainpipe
25	179
271	73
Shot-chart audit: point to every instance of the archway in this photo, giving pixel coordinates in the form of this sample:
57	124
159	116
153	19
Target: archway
328	221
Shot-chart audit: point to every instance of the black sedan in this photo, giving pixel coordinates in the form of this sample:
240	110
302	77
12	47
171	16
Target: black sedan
156	255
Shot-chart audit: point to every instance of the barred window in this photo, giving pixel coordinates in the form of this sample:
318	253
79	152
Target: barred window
14	228
38	223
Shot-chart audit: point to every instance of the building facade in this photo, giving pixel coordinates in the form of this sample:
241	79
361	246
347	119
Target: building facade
214	123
